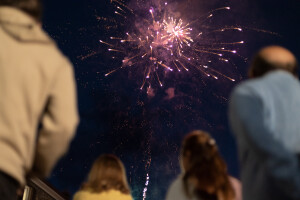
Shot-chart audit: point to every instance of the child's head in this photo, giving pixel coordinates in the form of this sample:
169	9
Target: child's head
204	168
107	173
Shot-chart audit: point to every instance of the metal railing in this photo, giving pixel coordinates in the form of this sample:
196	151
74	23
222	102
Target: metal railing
37	189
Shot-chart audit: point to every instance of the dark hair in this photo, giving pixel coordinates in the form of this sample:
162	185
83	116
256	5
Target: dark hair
261	66
206	167
107	173
31	7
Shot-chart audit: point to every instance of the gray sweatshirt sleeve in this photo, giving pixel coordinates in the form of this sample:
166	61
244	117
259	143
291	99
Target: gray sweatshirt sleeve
246	117
59	121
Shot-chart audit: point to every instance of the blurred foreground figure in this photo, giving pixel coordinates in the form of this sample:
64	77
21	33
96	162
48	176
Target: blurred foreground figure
264	115
204	172
106	181
37	89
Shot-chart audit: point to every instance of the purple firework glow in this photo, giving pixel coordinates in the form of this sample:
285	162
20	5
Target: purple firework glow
157	42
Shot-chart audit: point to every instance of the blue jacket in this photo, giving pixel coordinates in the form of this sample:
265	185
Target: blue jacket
264	115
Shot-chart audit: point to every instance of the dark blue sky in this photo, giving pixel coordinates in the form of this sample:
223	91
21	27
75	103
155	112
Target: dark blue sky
117	117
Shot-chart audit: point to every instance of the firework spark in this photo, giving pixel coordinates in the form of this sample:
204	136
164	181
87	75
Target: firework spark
157	43
146	187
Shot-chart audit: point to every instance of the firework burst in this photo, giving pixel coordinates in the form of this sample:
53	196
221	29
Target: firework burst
157	43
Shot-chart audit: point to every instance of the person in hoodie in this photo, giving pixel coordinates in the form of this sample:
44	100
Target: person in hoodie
38	108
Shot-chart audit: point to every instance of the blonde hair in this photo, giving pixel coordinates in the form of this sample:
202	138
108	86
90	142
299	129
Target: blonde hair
107	173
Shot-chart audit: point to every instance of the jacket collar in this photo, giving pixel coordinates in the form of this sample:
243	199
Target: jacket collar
21	26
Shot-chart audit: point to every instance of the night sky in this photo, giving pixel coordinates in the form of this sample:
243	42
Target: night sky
146	131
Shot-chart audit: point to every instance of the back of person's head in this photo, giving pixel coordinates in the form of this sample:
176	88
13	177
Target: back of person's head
273	58
107	173
204	168
31	7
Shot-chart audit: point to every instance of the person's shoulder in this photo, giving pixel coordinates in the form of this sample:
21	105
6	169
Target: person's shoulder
234	181
49	52
247	87
107	195
282	77
237	187
279	73
176	190
177	184
54	54
118	195
260	85
53	59
82	195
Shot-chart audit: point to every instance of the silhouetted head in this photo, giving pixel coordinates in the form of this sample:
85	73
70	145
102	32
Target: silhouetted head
107	173
273	58
197	146
31	7
204	168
